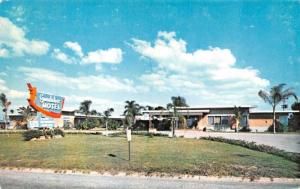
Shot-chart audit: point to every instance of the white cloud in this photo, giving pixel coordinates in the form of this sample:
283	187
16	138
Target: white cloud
13	41
111	56
4	53
75	47
62	57
91	83
209	74
171	54
11	93
162	81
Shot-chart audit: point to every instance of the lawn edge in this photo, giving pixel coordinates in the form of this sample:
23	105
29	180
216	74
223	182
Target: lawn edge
156	175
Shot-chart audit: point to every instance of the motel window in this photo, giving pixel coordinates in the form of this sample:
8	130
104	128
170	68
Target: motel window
210	120
217	120
225	120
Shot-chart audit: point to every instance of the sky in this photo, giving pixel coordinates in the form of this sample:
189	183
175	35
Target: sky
210	52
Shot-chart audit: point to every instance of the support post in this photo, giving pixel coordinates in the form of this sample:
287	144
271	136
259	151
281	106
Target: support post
129	150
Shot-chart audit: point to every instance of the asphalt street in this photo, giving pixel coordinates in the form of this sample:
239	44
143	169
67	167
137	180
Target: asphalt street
18	180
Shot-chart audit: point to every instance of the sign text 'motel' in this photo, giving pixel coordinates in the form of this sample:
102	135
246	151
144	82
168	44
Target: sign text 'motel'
48	105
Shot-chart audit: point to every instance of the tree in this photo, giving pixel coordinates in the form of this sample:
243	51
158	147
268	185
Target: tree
27	113
159	108
94	112
5	105
107	114
276	95
85	108
177	101
149	107
294	124
132	109
238	115
296	106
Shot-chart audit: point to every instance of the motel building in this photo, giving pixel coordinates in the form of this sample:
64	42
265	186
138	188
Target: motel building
208	118
221	118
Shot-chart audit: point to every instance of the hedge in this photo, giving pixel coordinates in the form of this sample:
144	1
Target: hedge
258	147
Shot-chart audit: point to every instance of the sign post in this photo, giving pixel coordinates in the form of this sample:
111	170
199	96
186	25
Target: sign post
128	133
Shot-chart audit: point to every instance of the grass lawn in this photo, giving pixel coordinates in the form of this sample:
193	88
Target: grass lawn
157	154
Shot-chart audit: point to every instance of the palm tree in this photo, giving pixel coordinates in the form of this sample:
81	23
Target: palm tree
177	101
159	108
238	114
132	109
276	95
107	114
5	104
85	108
94	112
149	107
296	106
27	113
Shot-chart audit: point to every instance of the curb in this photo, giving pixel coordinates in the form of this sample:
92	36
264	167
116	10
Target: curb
158	175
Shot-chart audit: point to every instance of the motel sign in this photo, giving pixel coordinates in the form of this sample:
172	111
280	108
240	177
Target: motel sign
47	106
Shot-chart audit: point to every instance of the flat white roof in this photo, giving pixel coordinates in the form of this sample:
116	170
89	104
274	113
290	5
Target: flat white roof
216	107
180	111
277	111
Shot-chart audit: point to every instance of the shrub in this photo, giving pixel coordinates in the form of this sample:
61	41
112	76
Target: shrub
140	126
116	134
59	132
67	125
245	129
163	125
258	147
87	124
149	134
48	133
279	127
112	124
182	122
30	134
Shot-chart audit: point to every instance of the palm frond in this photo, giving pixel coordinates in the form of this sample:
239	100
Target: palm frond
265	96
288	94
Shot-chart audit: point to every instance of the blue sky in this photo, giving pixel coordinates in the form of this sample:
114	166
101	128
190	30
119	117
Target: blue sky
212	53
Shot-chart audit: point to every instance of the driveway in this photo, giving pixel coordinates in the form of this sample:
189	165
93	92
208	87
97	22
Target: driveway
20	180
287	142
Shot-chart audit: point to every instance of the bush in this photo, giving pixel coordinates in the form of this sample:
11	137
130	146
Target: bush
182	123
140	126
112	124
278	128
164	125
145	133
30	134
59	132
258	147
67	125
48	133
87	124
245	129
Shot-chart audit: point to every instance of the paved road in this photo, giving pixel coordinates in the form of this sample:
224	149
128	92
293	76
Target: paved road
18	180
287	142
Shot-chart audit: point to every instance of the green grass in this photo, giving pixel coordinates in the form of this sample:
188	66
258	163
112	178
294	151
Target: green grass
156	154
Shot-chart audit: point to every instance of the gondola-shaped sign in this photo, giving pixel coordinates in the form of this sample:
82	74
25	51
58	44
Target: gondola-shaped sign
49	105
